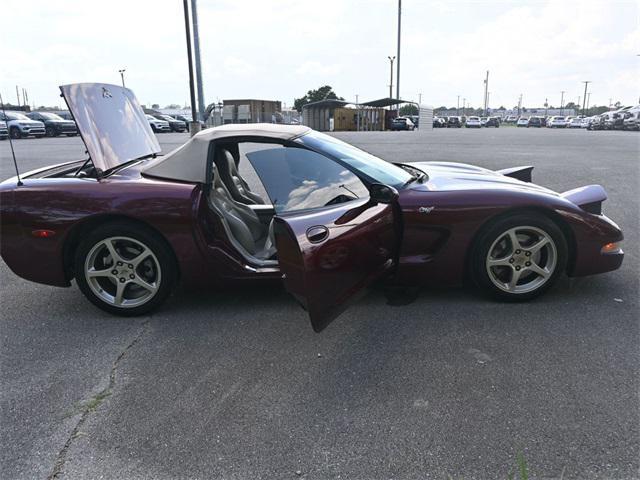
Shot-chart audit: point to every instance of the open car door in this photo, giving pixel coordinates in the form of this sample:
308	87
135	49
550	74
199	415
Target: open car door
330	255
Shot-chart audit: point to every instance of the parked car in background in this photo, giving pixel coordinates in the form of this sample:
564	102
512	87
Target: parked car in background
439	122
631	121
536	122
454	122
21	126
158	125
483	121
174	124
596	123
557	121
493	122
54	124
522	122
401	123
575	123
4	131
473	122
415	119
511	119
66	114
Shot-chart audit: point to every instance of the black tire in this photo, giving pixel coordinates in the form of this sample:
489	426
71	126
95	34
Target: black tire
15	133
496	230
155	130
149	239
51	132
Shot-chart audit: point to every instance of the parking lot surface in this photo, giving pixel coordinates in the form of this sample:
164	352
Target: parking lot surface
235	384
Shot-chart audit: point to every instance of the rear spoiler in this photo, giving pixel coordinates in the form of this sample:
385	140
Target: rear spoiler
588	198
519	173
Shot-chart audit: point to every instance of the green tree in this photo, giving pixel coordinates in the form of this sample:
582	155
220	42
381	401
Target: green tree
155	105
409	109
173	106
323	93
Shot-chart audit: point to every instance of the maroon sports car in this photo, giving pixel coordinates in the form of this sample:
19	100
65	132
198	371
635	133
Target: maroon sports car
325	217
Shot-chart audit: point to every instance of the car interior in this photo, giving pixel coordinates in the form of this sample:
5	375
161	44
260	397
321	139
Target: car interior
247	218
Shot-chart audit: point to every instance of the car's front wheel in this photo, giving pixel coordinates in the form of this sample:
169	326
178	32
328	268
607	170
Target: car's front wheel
519	256
124	269
15	133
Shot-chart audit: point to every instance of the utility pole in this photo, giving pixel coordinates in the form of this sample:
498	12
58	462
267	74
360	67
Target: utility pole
458	107
194	127
391	59
121	72
357	114
584	102
562	102
420	99
398	54
464	101
486	89
487	107
546	106
588	99
519	104
18	95
196	47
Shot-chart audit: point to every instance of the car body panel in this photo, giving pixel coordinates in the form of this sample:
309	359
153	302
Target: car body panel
111	123
329	256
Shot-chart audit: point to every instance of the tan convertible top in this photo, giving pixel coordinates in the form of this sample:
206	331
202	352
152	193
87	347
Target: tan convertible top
188	162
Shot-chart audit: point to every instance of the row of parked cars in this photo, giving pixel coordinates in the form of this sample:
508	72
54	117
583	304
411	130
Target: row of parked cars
40	124
468	122
627	118
37	124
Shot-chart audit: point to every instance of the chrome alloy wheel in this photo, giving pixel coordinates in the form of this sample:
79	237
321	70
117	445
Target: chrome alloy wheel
122	272
522	259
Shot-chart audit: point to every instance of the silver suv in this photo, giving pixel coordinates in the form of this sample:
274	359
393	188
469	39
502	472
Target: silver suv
20	125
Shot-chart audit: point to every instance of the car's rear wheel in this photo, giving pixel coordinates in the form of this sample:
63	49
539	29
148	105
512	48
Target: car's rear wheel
51	132
519	257
15	133
124	269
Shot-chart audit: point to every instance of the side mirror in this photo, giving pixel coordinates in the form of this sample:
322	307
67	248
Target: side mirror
380	193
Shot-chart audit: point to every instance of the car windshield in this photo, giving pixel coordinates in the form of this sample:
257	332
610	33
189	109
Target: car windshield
51	116
372	166
16	116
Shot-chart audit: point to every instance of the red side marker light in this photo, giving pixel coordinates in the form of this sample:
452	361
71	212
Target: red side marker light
43	233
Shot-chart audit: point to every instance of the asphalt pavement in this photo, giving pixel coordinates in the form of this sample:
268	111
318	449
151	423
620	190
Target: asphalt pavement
235	384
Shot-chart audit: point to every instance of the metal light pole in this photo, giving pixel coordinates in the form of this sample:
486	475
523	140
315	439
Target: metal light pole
420	99
357	114
546	106
398	54
194	127
584	100
121	72
196	48
486	89
588	99
464	100
391	59
562	102
458	107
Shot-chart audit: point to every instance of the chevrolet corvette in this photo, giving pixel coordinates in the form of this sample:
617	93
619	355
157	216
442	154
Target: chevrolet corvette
128	224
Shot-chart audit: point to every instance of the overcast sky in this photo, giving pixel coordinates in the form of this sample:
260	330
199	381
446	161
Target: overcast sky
278	49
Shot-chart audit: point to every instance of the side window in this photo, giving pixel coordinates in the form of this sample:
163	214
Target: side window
296	178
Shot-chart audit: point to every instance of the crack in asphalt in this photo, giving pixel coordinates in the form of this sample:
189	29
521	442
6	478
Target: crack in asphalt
92	404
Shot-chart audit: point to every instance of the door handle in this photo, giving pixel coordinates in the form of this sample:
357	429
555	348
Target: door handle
317	233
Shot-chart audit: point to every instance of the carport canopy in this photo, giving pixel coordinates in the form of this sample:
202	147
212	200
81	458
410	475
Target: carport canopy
384	102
